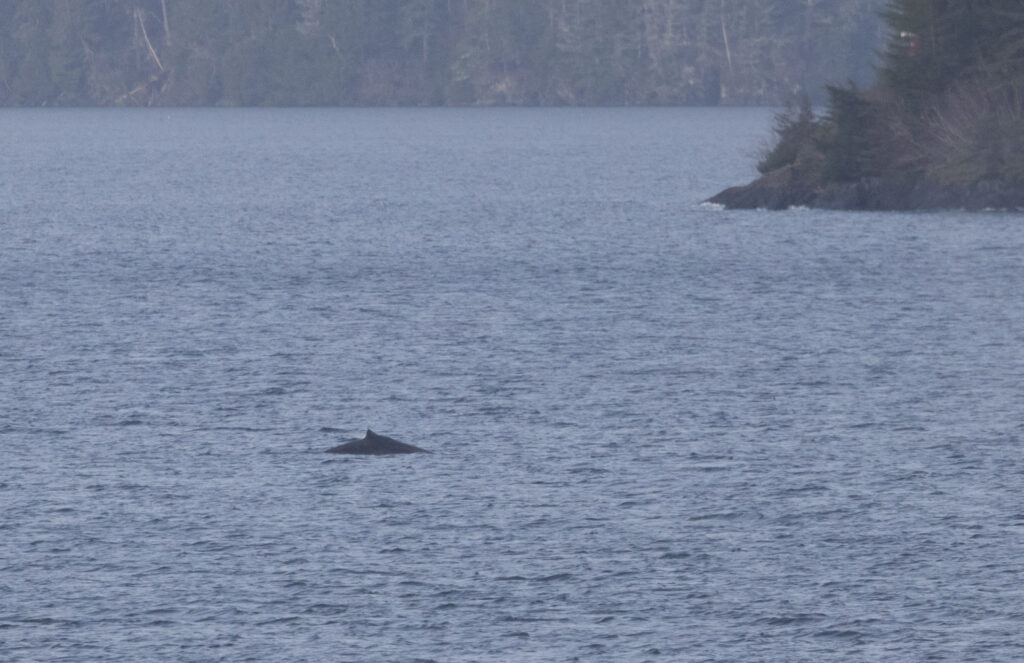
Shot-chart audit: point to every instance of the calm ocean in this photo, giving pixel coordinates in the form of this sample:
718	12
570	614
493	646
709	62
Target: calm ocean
661	431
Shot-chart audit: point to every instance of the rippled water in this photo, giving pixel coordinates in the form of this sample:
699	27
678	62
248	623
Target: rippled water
661	432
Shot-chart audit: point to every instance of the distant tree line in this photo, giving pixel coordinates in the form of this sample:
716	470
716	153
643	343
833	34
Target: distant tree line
430	52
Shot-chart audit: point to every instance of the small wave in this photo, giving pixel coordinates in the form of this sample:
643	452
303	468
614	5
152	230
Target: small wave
278	620
728	515
714	207
48	621
34	431
814	384
518	619
842	634
788	620
809	488
675	555
325	609
628	504
588	470
557	576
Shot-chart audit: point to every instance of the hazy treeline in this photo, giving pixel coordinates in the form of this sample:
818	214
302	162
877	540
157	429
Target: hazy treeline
430	52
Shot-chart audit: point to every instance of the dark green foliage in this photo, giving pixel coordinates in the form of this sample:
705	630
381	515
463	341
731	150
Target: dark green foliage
851	142
947	109
796	131
931	43
303	52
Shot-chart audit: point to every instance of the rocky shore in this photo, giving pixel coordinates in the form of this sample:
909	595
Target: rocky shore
792	186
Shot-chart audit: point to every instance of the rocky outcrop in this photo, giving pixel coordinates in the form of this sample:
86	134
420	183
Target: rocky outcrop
795	187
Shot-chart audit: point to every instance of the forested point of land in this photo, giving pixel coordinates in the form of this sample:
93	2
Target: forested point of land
942	127
430	52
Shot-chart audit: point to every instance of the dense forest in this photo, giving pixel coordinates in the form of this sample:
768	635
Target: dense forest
943	126
430	52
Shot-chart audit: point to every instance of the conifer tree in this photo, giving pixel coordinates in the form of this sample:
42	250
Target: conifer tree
920	48
851	146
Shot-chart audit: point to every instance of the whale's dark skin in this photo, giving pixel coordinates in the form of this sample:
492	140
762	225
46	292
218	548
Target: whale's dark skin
376	445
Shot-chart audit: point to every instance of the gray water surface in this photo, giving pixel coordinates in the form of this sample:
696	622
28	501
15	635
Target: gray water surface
661	432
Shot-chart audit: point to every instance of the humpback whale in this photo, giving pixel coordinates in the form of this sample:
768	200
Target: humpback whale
375	445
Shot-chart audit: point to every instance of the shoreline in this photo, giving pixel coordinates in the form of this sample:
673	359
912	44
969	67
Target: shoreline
790	187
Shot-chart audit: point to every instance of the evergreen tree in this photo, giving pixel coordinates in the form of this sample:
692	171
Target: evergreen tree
851	143
795	129
931	43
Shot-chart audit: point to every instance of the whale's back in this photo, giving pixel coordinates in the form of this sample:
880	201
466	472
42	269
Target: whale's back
375	445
